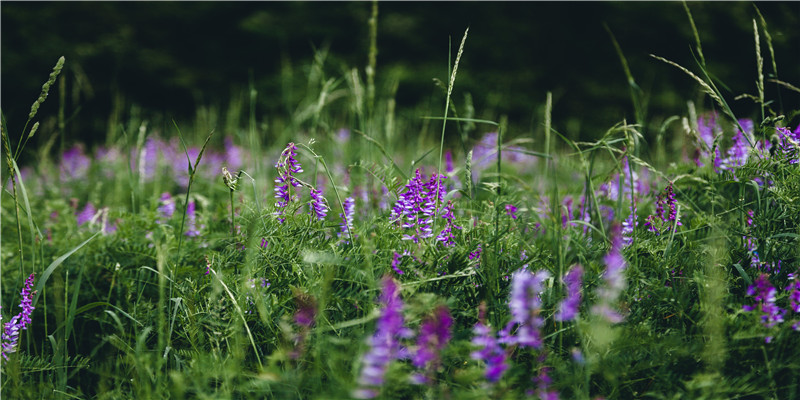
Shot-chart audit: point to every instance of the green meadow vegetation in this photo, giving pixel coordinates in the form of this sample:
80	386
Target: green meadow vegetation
351	249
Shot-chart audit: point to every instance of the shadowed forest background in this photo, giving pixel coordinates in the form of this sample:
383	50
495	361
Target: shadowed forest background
171	59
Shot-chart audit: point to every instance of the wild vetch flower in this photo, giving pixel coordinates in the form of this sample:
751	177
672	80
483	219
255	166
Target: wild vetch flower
233	154
794	297
511	210
10	334
544	381
191	220
446	235
737	153
434	333
416	207
396	263
166	208
264	243
628	226
86	214
319	206
568	308
476	255
708	129
287	166
385	343
74	164
525	304
613	281
764	294
489	350
347	219
666	212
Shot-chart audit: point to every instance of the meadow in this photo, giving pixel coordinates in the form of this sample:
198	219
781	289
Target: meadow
348	250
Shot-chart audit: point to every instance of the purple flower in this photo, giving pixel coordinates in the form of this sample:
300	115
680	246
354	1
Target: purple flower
764	293
233	154
319	206
511	210
666	212
525	305
415	208
568	309
794	293
191	221
347	219
396	263
613	281
476	255
74	164
434	333
86	214
287	166
10	335
489	350
166	208
446	235
385	343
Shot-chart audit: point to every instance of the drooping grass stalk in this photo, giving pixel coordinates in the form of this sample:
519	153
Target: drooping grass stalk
447	109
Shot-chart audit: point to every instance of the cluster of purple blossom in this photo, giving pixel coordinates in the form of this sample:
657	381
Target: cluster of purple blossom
288	167
416	209
94	217
12	328
666	212
765	296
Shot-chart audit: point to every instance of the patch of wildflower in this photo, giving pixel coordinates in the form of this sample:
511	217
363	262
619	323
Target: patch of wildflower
613	281
385	344
489	350
446	235
346	225
415	208
166	208
191	220
12	328
666	213
287	166
568	309
319	206
74	164
525	304
738	152
764	294
434	334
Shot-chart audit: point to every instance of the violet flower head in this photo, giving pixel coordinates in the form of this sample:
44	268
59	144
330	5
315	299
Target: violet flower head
319	205
233	154
489	350
191	220
287	166
166	208
396	261
415	208
86	214
568	309
347	219
613	281
10	334
385	344
794	293
446	235
434	334
764	294
74	164
525	305
511	211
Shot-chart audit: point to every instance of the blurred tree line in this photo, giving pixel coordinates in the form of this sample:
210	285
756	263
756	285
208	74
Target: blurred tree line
173	57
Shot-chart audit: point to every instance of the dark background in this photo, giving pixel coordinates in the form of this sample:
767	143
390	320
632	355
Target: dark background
172	57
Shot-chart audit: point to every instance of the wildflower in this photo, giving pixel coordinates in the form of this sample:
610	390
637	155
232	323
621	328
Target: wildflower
264	243
737	153
434	333
385	343
191	220
568	308
10	334
667	216
319	206
416	207
525	304
511	210
287	166
613	281
764	294
233	154
347	218
86	215
396	263
489	350
446	235
544	381
74	164
476	255
628	226
166	208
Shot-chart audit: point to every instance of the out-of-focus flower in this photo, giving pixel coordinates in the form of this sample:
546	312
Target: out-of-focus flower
385	344
434	334
166	208
347	219
191	220
74	164
511	211
764	294
489	350
613	281
568	309
86	214
525	305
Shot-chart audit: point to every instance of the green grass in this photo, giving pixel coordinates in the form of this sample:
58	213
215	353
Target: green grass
129	306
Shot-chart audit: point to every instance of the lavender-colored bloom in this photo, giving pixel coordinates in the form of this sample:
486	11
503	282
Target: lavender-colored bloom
525	304
434	333
233	154
10	334
476	255
166	208
794	293
666	212
319	206
737	153
396	263
764	293
191	220
264	243
484	153
385	343
628	226
287	166
74	164
613	281
86	214
347	219
568	309
415	208
511	210
446	235
708	130
489	350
